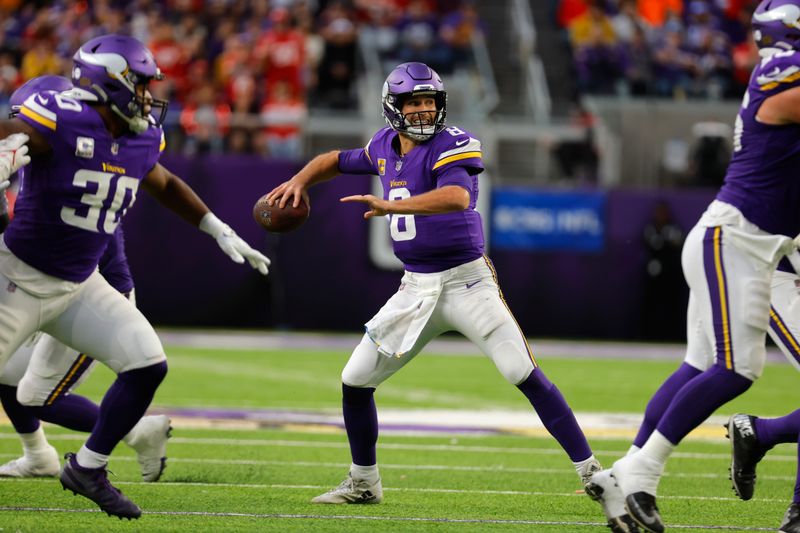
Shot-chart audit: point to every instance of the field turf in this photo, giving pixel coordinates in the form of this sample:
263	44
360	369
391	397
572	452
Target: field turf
249	472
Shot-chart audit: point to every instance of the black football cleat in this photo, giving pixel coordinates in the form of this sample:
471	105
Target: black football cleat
791	520
642	507
93	483
746	452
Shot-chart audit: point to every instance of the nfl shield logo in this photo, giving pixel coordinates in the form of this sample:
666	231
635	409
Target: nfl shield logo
398	165
381	166
115	148
84	147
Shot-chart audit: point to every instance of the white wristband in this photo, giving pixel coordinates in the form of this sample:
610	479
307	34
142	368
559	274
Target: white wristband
212	225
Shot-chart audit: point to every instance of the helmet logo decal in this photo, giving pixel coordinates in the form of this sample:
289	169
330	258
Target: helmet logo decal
114	63
787	14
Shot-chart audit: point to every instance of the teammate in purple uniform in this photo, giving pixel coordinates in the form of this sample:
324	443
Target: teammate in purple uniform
429	174
729	260
92	148
46	385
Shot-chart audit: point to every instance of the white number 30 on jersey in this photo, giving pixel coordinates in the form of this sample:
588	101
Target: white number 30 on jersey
94	206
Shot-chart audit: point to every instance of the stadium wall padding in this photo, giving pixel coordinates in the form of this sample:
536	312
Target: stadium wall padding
321	276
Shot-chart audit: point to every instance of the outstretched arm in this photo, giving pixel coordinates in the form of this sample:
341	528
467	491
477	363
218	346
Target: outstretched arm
321	168
174	194
444	200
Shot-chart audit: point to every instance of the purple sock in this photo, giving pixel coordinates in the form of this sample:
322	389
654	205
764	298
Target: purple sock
698	399
661	399
70	411
772	431
555	414
23	420
123	405
361	423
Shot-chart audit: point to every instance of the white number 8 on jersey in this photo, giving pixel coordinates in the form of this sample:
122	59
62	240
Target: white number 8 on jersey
410	227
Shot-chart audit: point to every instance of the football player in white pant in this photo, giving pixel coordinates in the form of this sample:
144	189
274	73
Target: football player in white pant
729	262
430	177
46	390
92	149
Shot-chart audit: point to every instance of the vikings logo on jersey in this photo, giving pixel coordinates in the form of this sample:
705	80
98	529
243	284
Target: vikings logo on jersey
73	201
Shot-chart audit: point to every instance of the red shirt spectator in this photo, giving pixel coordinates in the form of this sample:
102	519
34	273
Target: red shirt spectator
171	58
282	49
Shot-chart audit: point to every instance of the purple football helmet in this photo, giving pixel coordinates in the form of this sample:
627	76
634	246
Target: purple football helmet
776	26
109	68
47	82
413	79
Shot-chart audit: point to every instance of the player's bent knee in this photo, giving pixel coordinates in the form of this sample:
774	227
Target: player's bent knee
30	395
512	361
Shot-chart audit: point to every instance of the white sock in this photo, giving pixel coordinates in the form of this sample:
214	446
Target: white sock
89	459
658	448
582	467
633	449
367	473
34	442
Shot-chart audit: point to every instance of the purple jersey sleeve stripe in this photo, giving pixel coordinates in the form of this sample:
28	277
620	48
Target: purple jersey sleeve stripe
779	327
503	299
456	157
718	291
36	117
79	366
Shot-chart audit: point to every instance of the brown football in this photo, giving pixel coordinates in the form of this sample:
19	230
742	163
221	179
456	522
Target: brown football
273	218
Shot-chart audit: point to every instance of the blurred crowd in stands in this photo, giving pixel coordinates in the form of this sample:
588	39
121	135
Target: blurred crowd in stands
669	48
240	74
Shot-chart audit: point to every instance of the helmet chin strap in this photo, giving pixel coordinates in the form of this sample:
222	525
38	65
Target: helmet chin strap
136	124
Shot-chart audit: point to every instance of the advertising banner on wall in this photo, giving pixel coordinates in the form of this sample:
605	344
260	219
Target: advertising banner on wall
526	219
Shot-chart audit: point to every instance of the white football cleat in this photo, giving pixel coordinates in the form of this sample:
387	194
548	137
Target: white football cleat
353	491
149	439
44	463
603	489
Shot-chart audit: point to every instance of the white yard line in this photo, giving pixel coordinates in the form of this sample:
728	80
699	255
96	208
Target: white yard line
494	469
372	518
446	448
166	485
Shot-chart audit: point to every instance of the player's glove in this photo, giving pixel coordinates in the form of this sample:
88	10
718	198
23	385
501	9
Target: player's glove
232	244
13	156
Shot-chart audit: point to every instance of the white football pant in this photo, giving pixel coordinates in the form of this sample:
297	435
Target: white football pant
471	303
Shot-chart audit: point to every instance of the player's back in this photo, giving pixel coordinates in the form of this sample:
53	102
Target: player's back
73	198
761	179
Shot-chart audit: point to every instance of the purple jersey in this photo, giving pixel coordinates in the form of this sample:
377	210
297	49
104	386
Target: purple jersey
426	243
114	264
761	179
74	198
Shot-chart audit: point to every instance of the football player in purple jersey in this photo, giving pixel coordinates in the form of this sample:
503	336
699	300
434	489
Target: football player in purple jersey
91	149
46	388
429	173
729	261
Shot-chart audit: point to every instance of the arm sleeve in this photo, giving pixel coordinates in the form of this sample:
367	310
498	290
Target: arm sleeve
455	175
355	162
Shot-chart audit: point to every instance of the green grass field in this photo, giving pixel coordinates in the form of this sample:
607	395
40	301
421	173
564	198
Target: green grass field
251	476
